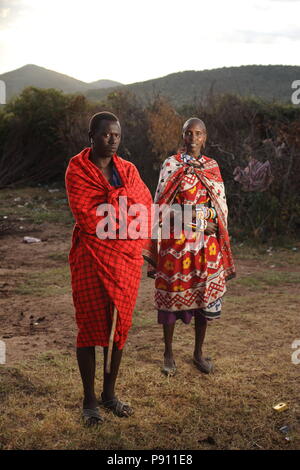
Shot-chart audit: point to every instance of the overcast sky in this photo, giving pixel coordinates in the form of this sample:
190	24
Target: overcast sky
136	40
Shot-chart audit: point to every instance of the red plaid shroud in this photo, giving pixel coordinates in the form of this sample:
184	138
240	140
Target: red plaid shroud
104	272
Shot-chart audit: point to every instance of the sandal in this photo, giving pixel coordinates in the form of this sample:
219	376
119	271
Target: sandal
119	408
169	371
91	417
206	365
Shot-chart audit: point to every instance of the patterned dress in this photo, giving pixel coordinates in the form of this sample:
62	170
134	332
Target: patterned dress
191	278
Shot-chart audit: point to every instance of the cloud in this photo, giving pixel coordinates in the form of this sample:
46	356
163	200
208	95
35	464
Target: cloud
11	11
262	37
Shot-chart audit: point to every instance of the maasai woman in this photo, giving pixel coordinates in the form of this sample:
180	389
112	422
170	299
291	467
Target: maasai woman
105	272
191	269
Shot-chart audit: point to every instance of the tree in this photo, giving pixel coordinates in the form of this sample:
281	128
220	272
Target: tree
164	128
38	135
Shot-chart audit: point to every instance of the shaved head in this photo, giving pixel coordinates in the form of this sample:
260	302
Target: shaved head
194	136
192	121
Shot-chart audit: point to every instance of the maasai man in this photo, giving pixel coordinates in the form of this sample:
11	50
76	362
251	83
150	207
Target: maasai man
105	272
191	269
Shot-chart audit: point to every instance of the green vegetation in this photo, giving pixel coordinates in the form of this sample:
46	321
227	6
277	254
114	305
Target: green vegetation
63	257
33	75
36	205
269	279
54	281
267	82
41	129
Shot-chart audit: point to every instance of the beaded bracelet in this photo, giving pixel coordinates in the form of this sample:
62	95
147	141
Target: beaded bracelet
208	212
202	212
198	227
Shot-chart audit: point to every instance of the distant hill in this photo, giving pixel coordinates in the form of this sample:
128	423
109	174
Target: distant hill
103	84
33	75
268	82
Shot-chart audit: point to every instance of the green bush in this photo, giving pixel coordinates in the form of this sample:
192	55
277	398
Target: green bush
41	129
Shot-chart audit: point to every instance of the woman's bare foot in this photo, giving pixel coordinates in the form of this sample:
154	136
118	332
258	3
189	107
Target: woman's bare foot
169	367
205	365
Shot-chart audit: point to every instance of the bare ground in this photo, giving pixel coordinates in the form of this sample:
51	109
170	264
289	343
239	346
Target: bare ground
231	409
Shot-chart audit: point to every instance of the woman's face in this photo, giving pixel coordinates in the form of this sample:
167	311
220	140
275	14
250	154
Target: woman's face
194	137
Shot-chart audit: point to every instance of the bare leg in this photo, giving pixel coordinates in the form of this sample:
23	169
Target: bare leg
204	365
200	330
109	380
168	337
87	365
109	400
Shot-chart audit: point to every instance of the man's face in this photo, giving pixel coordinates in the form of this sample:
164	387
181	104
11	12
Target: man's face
107	138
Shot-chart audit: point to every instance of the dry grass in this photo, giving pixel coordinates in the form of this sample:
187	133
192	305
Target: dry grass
40	399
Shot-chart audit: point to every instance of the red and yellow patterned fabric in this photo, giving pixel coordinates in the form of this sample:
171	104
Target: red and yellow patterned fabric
104	272
189	276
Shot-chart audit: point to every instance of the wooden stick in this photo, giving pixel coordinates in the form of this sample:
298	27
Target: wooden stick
111	341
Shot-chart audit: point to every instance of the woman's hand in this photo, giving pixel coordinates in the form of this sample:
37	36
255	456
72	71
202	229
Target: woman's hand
211	228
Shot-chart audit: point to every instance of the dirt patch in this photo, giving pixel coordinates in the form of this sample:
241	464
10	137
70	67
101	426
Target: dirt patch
251	346
32	321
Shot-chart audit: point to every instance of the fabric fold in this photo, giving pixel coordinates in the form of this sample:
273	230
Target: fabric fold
104	272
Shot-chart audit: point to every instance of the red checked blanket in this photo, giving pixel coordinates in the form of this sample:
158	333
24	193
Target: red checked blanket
104	272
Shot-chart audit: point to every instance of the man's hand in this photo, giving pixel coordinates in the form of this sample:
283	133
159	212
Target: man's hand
211	228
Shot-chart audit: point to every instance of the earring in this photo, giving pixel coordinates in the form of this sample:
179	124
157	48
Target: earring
92	142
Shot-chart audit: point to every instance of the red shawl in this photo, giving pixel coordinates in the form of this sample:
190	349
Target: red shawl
210	176
87	188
